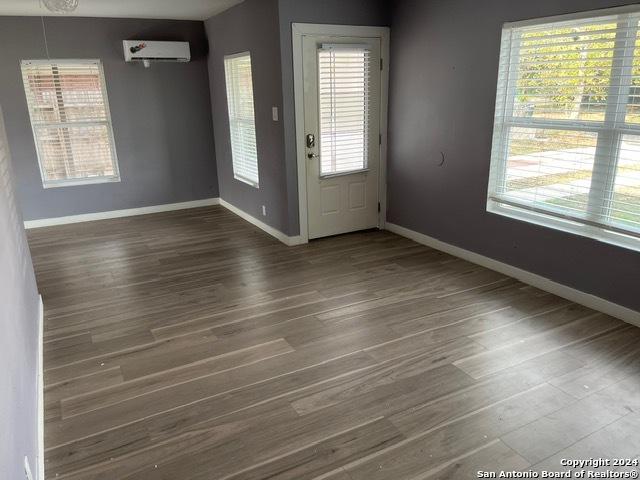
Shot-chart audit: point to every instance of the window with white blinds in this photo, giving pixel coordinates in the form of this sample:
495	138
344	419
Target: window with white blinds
344	75
242	124
71	123
566	145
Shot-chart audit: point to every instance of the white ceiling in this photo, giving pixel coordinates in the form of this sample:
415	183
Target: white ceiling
174	9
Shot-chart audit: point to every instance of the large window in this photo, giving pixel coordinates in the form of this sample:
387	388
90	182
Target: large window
242	123
566	146
69	112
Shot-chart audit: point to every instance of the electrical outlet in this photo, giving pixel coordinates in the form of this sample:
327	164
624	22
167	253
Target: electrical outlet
264	210
27	469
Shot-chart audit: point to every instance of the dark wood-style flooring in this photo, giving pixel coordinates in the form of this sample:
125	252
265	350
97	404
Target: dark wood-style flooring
191	345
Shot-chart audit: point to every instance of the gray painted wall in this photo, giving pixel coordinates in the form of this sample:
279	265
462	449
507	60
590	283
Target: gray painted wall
444	63
19	314
251	26
336	12
264	28
161	116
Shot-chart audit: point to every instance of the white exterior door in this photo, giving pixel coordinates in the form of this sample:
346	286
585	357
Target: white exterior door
342	90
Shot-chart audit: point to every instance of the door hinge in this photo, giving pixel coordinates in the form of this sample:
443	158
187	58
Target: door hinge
380	139
381	63
378	207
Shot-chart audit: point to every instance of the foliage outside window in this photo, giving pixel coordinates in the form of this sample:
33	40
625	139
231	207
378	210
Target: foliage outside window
566	146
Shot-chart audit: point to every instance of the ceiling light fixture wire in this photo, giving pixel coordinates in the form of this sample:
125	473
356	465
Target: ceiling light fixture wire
44	34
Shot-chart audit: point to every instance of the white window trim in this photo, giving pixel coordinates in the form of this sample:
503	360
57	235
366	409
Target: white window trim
602	12
240	178
494	206
366	103
84	181
567	226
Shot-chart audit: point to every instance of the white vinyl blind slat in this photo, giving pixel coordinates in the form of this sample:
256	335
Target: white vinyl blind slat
567	126
71	123
343	85
239	84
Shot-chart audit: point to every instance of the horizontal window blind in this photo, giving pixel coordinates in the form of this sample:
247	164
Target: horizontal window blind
344	75
70	119
241	118
567	127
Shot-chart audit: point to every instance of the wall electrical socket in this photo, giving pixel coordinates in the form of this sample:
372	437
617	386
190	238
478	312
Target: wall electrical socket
264	210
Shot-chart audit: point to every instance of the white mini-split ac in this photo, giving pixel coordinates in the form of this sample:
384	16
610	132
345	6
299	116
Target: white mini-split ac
147	51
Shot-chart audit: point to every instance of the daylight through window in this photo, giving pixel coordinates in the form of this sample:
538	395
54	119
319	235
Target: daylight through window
71	123
566	147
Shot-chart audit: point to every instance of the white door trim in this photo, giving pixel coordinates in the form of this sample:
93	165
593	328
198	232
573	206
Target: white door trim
298	31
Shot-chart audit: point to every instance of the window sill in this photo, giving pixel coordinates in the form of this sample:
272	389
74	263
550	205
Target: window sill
248	182
79	182
601	235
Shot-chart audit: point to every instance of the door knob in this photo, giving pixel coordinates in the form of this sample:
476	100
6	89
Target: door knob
311	155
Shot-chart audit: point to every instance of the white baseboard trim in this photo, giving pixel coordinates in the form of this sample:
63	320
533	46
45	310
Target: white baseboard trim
286	239
543	283
129	212
40	390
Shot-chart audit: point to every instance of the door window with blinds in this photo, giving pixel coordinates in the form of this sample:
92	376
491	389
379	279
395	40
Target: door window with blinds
242	125
71	124
343	84
566	146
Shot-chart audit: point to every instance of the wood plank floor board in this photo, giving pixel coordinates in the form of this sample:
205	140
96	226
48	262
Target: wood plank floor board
276	317
282	439
403	374
72	368
95	348
155	382
80	338
497	312
608	359
315	459
481	394
455	324
530	326
406	310
421	453
110	454
213	395
338	474
495	456
56	393
558	430
497	359
619	439
190	345
190	309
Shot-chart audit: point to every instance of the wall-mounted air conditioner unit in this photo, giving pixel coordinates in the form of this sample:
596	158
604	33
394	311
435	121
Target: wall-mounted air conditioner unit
148	51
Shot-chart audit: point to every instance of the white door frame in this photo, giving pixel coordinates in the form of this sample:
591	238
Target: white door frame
298	31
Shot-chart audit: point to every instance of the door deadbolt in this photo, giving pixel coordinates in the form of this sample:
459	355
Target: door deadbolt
311	140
